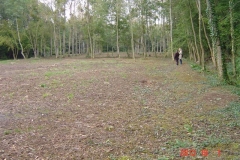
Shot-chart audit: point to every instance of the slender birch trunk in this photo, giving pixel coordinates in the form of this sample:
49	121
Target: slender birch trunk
19	40
69	40
51	51
195	37
73	36
90	45
64	32
41	45
44	50
131	31
60	42
171	34
209	45
55	41
79	44
117	19
189	51
76	42
199	33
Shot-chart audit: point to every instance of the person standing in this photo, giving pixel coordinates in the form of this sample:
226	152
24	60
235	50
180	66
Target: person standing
176	57
180	55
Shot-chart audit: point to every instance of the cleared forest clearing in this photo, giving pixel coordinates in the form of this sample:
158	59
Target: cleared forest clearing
114	109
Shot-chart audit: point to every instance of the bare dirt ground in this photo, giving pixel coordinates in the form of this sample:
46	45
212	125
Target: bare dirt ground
114	109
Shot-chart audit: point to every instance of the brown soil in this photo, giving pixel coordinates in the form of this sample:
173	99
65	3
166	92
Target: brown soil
112	109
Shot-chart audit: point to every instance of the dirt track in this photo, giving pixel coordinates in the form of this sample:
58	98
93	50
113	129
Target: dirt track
112	109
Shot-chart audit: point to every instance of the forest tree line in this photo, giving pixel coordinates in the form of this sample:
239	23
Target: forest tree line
208	31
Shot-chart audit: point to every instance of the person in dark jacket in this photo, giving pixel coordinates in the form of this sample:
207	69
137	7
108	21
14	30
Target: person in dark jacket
176	57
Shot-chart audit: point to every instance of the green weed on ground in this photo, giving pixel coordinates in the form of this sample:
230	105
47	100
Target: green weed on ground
229	116
6	61
52	73
236	91
196	67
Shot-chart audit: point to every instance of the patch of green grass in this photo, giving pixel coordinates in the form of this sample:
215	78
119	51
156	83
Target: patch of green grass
229	115
112	157
233	109
11	94
109	128
87	82
56	83
196	67
43	85
163	158
119	64
123	75
48	74
213	80
53	73
188	128
124	158
46	95
7	132
6	61
180	144
236	91
70	96
214	141
18	130
34	59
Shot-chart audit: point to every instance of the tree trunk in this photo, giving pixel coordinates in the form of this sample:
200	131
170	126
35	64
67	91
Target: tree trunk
55	41
79	42
193	52
131	31
69	40
189	51
64	41
199	33
51	52
94	46
232	38
143	50
117	19
90	42
209	45
41	46
15	53
76	43
64	32
73	32
219	59
90	45
19	39
171	34
60	43
222	70
195	38
145	47
44	50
